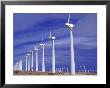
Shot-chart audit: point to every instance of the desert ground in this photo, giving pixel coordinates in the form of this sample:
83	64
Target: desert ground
49	73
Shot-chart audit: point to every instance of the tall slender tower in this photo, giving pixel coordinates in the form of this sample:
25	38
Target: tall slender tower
43	63
70	27
31	60
36	58
62	69
52	38
84	68
26	62
67	69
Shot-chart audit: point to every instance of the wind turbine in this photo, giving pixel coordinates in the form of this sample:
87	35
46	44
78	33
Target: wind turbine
58	70
62	69
31	60
28	62
20	65
88	70
52	38
84	68
80	68
36	49
67	69
70	27
16	66
43	64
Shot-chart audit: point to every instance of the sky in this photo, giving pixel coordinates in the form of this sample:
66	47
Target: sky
30	28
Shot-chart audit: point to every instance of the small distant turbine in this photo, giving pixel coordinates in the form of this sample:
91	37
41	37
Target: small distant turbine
67	69
84	68
52	38
59	69
70	27
43	64
36	49
62	69
80	69
56	69
31	60
88	71
16	66
20	65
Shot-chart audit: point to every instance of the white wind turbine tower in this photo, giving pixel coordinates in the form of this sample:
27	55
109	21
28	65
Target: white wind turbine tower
52	38
43	64
56	69
36	49
67	69
84	68
31	60
21	65
28	62
70	27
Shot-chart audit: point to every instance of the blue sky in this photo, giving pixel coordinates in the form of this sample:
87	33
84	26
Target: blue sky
29	28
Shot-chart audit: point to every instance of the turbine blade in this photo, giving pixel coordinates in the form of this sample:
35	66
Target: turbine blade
35	47
69	18
50	33
42	39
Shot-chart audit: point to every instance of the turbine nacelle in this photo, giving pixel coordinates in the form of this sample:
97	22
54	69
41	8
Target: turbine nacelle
36	48
69	26
51	37
28	54
30	51
42	44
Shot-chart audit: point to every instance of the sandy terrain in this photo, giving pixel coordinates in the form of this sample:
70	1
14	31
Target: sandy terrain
49	73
